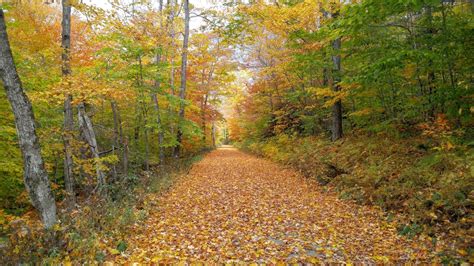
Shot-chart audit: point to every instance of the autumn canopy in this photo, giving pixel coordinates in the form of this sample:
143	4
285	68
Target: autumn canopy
130	130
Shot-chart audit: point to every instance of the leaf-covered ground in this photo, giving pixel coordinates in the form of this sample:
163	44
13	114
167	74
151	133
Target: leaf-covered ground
234	207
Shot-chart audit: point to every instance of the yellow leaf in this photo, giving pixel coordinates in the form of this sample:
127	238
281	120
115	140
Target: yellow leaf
113	251
462	252
157	259
381	258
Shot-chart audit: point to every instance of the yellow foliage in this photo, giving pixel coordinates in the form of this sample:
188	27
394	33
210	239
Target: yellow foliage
362	112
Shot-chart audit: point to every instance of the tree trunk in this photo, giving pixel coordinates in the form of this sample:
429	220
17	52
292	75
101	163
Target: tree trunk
154	98
85	124
138	125
119	138
35	175
143	111
171	4
161	135
213	134
68	113
117	126
145	131
68	160
203	118
431	73
66	37
337	107
184	63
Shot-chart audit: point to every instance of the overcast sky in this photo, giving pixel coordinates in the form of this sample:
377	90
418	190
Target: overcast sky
195	23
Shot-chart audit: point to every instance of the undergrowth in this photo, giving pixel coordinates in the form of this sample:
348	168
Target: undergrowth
420	186
95	229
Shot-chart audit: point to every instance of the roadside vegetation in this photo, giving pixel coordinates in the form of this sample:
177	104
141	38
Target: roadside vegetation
373	99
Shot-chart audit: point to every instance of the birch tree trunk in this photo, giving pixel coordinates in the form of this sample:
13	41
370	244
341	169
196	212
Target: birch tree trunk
184	64
35	175
85	125
68	113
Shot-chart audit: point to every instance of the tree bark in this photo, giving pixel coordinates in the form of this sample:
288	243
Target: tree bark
203	117
337	107
85	124
161	135
35	175
430	31
117	126
213	134
336	127
119	138
205	101
66	37
182	90
68	113
171	4
154	98
145	131
143	111
68	159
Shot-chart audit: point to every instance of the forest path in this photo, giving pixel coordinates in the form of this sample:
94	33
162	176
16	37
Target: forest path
235	207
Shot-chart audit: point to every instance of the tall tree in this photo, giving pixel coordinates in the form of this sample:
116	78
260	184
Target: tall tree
68	113
184	64
35	175
119	139
336	127
85	124
171	4
154	95
337	106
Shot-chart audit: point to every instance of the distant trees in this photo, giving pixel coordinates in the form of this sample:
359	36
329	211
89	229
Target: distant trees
372	66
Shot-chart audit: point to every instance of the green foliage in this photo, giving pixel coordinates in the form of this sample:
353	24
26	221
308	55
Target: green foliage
410	230
113	60
404	63
11	172
406	91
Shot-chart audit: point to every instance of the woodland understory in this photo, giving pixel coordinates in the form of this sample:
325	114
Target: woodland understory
354	121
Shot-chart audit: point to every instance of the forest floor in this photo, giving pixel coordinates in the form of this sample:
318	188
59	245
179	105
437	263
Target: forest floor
235	207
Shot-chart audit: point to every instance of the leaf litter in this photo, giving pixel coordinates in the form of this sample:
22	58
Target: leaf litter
233	207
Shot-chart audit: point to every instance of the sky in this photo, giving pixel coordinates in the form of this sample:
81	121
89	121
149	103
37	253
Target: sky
195	22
